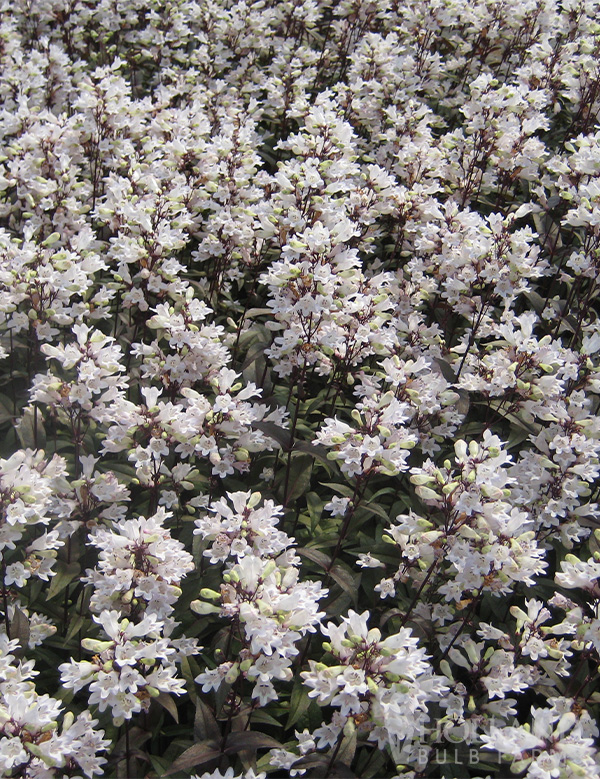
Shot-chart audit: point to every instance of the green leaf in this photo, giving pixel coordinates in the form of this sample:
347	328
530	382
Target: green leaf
463	404
196	755
347	750
65	574
30	430
240	724
206	727
137	737
389	614
278	434
446	370
6	409
253	354
299	703
159	764
315	509
347	581
259	715
517	436
342	489
317	451
537	301
320	558
247	739
19	628
167	702
374	508
299	477
75	624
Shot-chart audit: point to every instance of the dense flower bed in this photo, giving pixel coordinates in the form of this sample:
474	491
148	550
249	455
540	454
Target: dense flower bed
299	349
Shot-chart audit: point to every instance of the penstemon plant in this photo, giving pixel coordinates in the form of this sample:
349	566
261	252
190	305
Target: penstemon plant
300	377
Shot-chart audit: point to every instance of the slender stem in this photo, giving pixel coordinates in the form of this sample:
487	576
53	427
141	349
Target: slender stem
334	755
472	337
127	751
350	509
469	613
293	434
415	600
5	599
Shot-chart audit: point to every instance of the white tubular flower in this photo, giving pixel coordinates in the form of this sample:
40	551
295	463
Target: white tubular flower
230	774
29	489
245	529
559	742
274	610
577	573
127	670
380	441
140	567
382	684
31	742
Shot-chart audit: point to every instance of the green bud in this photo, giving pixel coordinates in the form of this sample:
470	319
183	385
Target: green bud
36	750
51	239
520	765
255	499
449	488
232	674
203	608
426	494
208	594
420	479
269	568
446	670
92	645
68	720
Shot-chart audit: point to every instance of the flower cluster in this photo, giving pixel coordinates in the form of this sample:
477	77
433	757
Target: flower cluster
243	529
31	741
270	609
482	541
558	743
133	665
381	686
29	487
139	569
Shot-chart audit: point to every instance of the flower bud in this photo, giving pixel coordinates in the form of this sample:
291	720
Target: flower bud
255	499
446	670
232	674
269	568
208	594
203	608
93	645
